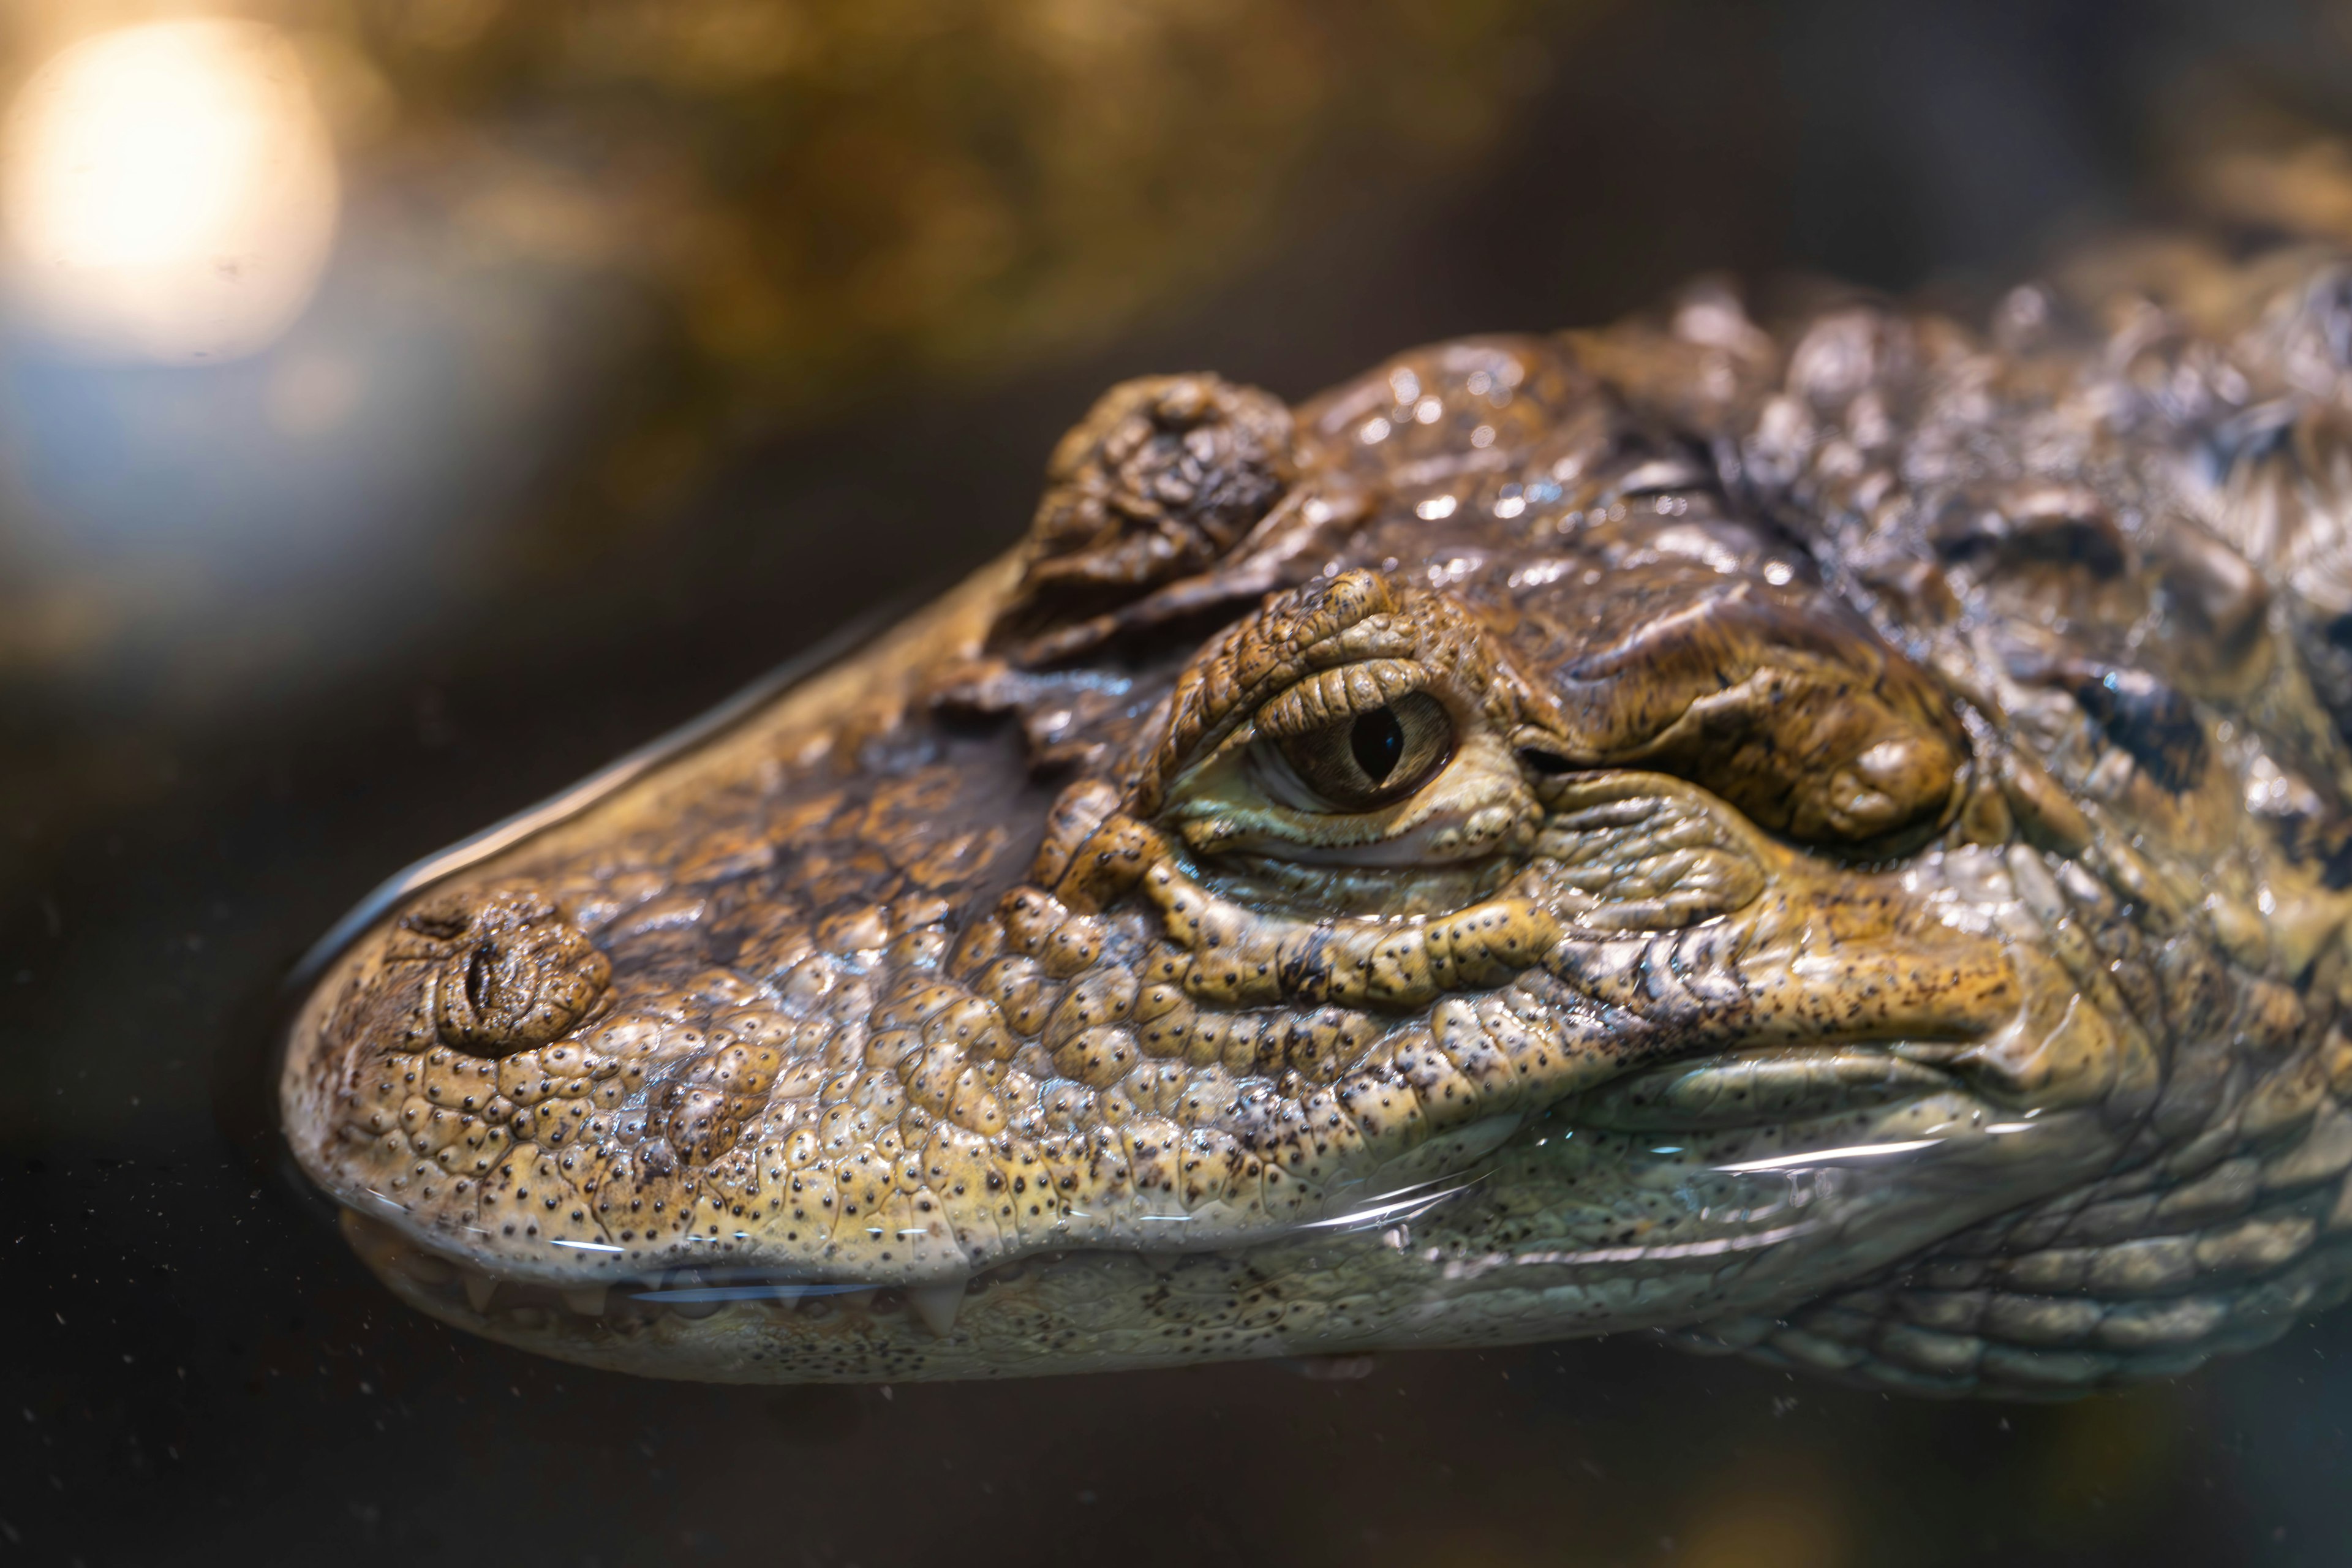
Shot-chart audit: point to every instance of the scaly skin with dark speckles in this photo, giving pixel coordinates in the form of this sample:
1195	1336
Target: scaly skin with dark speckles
1826	839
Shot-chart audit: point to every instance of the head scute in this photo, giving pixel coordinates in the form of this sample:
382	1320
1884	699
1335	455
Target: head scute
1161	482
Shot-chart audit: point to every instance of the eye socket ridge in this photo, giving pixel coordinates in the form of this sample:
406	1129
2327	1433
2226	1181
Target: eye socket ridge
1371	757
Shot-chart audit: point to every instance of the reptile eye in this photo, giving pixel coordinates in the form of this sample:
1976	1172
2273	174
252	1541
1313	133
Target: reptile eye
1372	757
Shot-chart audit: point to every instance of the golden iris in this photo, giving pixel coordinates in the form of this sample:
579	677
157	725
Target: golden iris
1374	757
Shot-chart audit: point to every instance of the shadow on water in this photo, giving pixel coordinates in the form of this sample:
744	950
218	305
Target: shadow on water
211	759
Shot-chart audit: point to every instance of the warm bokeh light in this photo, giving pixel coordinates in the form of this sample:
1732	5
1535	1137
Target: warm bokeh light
169	190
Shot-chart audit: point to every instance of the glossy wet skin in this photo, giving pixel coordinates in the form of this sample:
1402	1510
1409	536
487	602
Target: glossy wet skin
1825	842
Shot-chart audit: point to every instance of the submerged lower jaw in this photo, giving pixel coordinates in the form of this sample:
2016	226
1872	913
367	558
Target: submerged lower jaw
1524	1248
454	1288
1432	1262
449	1286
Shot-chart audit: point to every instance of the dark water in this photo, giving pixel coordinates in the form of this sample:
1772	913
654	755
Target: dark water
270	674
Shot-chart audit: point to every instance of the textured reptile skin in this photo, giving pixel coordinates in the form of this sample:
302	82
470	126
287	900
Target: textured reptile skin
1826	839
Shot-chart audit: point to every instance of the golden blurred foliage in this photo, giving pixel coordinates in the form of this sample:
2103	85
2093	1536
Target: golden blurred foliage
821	192
817	199
818	183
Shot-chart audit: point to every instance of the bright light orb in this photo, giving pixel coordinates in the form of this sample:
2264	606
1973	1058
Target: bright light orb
169	192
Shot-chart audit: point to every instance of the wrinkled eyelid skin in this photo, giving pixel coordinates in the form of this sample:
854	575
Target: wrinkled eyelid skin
1330	696
1248	792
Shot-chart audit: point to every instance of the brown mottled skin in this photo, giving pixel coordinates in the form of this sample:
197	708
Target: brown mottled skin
1825	838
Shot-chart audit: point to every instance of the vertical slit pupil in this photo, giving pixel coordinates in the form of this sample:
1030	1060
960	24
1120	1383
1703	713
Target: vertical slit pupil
1378	740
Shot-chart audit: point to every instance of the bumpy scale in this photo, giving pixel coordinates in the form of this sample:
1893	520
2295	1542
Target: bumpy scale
1827	841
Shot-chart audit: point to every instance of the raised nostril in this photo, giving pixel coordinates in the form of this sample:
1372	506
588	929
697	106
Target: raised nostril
510	971
480	977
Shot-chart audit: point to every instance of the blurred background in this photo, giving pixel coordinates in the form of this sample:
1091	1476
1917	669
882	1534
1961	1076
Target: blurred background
406	405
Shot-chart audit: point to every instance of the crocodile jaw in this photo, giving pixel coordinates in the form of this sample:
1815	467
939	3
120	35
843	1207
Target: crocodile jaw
1043	989
1466	1203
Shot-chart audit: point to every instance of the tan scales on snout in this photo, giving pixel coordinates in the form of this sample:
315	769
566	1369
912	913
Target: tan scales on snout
1825	839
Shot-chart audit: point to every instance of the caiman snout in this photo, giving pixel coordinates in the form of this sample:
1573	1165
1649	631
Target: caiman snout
1557	836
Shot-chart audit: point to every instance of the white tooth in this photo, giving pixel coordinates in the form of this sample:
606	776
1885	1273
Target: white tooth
936	1305
588	1301
479	1289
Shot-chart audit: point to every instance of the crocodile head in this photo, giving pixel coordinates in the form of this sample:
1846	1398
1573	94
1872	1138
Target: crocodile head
1826	844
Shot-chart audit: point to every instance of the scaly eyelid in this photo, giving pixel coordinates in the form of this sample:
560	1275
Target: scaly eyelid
1349	691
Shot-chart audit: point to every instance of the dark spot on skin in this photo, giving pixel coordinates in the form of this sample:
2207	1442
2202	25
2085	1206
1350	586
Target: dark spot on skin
2155	724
